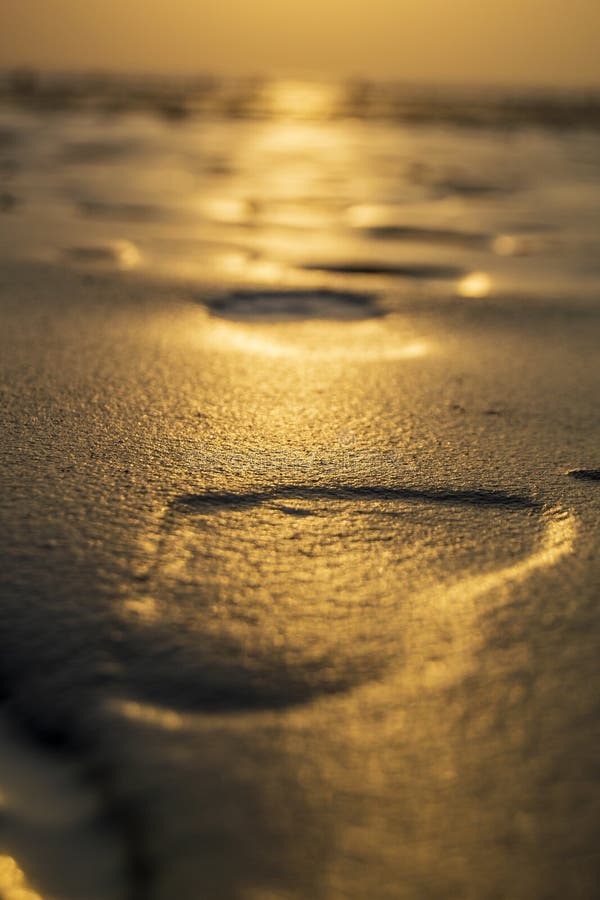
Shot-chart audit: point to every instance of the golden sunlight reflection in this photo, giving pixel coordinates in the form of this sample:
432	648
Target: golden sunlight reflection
558	542
240	266
287	137
296	215
127	254
13	884
150	715
233	263
227	210
142	608
368	340
301	99
305	141
268	271
475	286
364	215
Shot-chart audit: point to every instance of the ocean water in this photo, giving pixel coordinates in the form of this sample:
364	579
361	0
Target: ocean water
299	405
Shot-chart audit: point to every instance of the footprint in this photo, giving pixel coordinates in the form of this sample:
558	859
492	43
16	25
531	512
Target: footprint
274	597
585	474
467	187
256	305
113	254
439	236
417	270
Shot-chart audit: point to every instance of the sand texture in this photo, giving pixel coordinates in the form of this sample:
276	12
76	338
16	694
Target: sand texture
299	575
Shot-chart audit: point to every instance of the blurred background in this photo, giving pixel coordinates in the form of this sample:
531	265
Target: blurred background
523	42
401	146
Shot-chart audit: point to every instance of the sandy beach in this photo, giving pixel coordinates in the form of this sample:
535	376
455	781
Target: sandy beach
300	496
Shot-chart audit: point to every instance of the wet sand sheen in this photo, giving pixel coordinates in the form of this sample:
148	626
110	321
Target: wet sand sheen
317	588
248	625
300	470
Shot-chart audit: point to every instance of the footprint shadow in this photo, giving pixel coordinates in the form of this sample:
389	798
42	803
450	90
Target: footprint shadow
585	474
270	598
292	304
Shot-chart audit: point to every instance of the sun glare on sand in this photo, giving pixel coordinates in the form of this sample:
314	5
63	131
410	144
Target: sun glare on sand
363	341
475	286
13	885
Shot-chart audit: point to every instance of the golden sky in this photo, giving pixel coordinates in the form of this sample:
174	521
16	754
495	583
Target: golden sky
525	41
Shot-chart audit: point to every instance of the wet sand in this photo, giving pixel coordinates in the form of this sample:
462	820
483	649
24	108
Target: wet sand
300	495
317	614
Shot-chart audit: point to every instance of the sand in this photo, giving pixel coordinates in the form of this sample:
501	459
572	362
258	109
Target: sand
300	498
319	623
